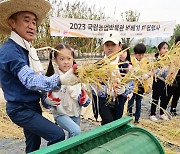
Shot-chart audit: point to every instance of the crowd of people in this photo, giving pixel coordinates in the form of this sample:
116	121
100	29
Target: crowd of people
24	83
134	90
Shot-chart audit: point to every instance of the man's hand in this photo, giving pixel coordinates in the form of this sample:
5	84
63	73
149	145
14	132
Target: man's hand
69	78
145	76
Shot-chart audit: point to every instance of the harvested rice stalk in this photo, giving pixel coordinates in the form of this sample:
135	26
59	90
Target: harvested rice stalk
104	72
101	71
170	62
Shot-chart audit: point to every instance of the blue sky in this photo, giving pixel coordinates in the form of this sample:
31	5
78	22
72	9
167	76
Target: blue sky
150	10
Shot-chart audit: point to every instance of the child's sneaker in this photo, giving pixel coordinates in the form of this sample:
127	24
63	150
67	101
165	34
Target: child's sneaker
163	117
153	118
136	121
173	112
130	114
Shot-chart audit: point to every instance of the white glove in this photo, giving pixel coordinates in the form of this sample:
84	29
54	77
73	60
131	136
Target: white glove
51	102
129	96
110	92
119	90
145	76
69	78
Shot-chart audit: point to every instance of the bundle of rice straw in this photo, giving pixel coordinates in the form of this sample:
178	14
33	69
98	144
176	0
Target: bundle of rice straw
171	59
101	71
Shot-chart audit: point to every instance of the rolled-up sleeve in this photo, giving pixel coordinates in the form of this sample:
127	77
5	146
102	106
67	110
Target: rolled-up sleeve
102	93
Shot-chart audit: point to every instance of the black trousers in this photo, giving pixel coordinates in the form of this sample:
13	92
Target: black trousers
119	106
107	111
174	92
159	92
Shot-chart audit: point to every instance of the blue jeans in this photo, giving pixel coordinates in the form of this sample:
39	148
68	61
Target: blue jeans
70	124
138	99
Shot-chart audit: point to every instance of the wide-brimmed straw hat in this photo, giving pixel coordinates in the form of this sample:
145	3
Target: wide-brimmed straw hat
9	7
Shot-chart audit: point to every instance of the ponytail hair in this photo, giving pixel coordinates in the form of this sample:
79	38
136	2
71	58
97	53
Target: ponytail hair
50	69
128	58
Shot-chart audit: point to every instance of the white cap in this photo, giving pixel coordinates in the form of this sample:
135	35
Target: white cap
113	36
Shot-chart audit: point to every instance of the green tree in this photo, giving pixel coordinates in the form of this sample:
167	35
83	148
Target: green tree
175	34
80	10
129	16
76	9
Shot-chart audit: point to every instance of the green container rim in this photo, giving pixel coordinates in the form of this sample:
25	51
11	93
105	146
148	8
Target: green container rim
85	136
153	137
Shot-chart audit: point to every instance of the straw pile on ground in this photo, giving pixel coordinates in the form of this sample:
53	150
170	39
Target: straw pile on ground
167	131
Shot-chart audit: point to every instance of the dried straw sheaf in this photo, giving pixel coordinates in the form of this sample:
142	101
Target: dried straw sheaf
95	74
170	61
103	71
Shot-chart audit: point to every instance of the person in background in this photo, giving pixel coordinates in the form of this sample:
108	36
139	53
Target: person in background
101	103
139	51
124	68
159	88
67	102
174	91
21	78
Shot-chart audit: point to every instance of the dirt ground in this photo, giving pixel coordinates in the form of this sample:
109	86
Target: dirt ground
168	132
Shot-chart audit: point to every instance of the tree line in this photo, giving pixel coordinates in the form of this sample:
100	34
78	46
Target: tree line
79	10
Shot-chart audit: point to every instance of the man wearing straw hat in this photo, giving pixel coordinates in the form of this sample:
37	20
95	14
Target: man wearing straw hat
20	70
